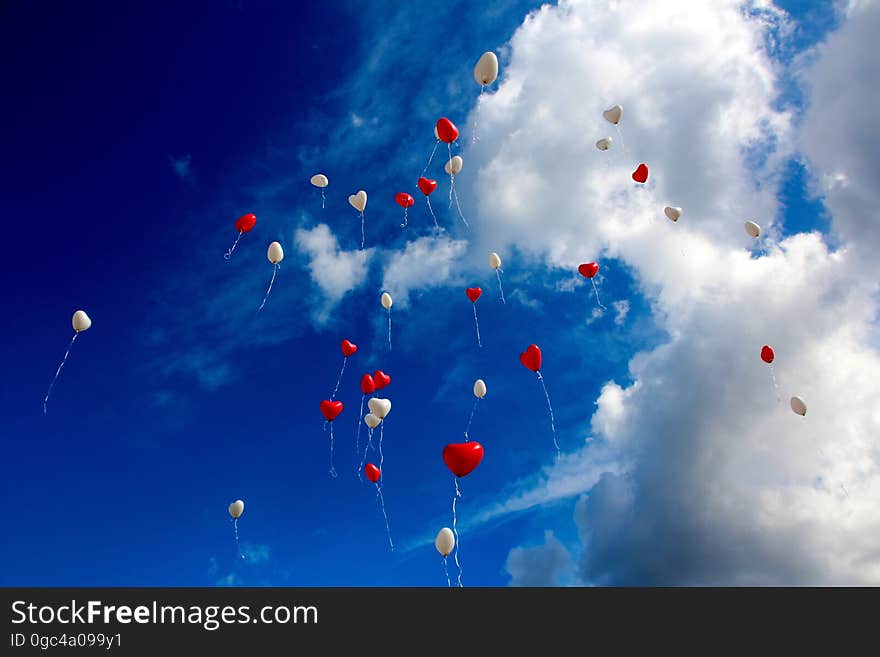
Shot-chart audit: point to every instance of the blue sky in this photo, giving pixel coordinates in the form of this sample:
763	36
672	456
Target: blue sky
136	136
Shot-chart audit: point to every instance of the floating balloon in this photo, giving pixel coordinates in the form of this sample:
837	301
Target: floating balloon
798	406
374	474
381	379
359	202
348	349
387	302
445	543
479	388
531	359
753	229
479	393
368	386
485	73
454	165
613	114
473	293
372	421
405	201
244	224
379	407
589	270
495	263
320	180
235	510
604	144
80	322
426	187
461	459
275	254
640	175
331	410
446	130
673	214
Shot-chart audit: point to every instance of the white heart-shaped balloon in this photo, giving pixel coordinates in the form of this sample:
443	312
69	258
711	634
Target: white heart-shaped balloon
673	214
753	229
275	253
236	508
387	301
379	407
613	114
358	201
604	144
81	321
479	388
798	406
454	165
445	541
319	180
486	69
372	421
494	260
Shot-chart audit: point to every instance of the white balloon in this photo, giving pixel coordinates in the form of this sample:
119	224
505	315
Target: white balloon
358	201
236	509
454	165
379	407
445	541
275	253
387	301
672	213
494	260
604	144
753	229
372	421
479	388
319	180
81	321
486	70
798	406
613	114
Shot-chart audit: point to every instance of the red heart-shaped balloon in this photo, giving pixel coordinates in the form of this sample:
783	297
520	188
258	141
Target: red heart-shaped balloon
404	200
767	354
331	409
426	186
381	379
462	458
473	293
588	270
245	223
446	130
531	357
640	175
348	348
368	386
373	473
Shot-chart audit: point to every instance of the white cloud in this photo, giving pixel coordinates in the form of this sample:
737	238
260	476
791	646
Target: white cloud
696	474
426	262
542	565
621	310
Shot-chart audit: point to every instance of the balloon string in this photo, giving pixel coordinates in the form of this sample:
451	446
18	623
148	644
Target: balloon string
382	504
366	449
363	234
381	455
405	220
339	378
357	439
775	384
57	374
228	254
596	290
332	470
455	528
446	571
237	544
323	198
500	287
431	210
389	329
271	283
477	325
552	419
433	150
620	134
460	215
471	419
475	138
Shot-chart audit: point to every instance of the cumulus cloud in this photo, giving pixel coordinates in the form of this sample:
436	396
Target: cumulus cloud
694	472
425	262
542	565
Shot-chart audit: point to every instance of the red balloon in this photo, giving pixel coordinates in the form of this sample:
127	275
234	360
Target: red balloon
381	379
373	473
531	357
331	409
767	354
348	348
426	186
404	200
446	130
462	458
245	223
473	293
368	386
589	269
640	175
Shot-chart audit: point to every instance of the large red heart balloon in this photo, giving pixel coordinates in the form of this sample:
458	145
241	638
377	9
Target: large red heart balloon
588	270
473	293
462	458
404	200
531	357
348	348
640	175
446	130
245	223
368	386
373	473
331	409
381	379
426	186
767	354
